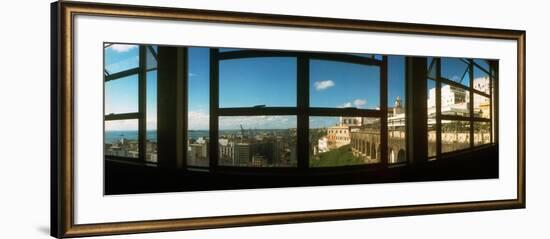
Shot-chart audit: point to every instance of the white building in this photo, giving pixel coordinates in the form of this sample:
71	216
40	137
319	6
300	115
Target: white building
455	100
322	145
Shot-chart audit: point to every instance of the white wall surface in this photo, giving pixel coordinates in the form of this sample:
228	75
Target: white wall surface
24	119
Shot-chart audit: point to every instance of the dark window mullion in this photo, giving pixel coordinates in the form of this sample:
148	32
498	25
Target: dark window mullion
142	105
487	71
384	109
456	117
453	83
493	82
182	106
346	58
243	54
438	106
124	116
303	143
480	92
471	106
214	106
124	73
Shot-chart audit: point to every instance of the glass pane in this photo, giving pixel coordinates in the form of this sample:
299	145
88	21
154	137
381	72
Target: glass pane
396	112
432	141
432	138
432	68
263	81
151	140
198	115
454	100
151	52
455	135
121	138
343	141
257	141
481	76
482	106
121	95
482	133
121	57
455	69
344	85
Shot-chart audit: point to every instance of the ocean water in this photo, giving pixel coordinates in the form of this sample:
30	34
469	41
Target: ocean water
114	136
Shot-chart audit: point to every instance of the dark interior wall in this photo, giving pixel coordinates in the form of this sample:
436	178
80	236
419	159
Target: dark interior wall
127	178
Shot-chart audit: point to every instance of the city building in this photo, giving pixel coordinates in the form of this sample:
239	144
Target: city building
242	154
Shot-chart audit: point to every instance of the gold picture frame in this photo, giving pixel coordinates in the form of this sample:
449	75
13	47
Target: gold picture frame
62	200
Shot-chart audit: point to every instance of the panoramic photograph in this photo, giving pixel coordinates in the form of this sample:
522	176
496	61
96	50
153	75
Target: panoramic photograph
186	118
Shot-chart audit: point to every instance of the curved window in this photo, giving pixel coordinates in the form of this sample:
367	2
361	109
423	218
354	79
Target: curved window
263	118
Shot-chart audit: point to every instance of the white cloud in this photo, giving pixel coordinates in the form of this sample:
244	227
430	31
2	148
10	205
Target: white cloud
114	125
198	120
122	47
323	85
152	124
191	74
345	105
258	122
359	102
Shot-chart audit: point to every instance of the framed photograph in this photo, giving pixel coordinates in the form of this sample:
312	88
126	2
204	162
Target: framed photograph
170	119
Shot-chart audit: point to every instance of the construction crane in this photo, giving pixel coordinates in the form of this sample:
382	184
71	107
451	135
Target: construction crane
242	131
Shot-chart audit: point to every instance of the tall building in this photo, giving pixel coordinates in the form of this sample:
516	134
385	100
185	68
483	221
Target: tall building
226	151
242	154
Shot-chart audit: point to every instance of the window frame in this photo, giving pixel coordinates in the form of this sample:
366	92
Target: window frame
471	118
303	111
141	115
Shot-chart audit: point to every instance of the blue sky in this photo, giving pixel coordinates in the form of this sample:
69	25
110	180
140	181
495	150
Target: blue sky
255	81
454	68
